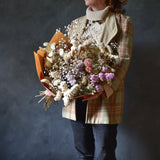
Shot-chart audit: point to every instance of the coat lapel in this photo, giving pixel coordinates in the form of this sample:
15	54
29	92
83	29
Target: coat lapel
110	29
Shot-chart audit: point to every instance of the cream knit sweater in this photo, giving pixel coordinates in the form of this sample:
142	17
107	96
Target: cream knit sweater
94	29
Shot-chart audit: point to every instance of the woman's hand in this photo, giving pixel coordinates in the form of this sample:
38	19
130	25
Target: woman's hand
96	95
106	93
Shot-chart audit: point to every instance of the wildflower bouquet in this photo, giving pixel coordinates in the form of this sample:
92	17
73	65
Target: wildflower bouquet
72	68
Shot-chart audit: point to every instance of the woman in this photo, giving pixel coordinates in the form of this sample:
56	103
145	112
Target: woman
94	122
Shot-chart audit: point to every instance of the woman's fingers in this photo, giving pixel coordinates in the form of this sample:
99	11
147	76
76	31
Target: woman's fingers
92	97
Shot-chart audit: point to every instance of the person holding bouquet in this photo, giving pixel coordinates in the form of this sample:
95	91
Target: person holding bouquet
94	122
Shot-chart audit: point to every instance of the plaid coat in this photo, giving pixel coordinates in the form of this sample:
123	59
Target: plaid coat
119	28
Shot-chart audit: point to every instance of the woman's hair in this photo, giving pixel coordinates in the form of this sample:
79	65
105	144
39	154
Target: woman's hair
116	5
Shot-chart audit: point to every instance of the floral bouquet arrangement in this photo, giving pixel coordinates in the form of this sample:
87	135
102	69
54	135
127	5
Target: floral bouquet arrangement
72	68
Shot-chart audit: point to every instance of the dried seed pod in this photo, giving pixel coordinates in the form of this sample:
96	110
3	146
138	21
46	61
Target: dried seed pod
53	46
49	59
47	64
84	80
66	57
45	81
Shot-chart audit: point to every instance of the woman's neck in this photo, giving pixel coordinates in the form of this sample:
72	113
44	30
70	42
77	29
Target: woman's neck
98	7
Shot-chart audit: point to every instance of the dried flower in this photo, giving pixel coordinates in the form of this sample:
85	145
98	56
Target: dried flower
72	82
105	69
109	76
58	96
88	69
77	67
48	93
98	88
88	62
102	76
80	64
84	80
94	78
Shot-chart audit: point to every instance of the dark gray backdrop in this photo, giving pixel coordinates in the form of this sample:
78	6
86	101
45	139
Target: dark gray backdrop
28	132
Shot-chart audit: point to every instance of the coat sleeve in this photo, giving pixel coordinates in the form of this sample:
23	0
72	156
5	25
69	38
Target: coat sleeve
124	52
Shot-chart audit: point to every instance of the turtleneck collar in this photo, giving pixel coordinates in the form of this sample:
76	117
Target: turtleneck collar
96	15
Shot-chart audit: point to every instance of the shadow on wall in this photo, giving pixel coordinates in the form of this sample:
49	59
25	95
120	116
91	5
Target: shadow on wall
138	137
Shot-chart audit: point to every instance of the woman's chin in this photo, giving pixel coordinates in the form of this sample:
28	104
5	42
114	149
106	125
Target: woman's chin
87	3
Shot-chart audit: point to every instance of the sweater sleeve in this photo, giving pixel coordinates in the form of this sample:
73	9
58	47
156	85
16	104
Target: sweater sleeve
124	52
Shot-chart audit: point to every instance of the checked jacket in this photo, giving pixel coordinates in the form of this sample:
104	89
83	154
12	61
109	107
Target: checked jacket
119	28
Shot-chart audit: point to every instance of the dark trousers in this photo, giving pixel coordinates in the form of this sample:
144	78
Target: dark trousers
93	140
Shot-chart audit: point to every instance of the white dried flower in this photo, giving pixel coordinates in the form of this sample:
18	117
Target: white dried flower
74	90
53	46
66	101
50	59
50	54
61	52
45	44
74	42
56	82
73	48
112	70
55	74
63	86
58	96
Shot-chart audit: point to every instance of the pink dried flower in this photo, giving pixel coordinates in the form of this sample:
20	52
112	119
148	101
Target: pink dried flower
88	69
88	62
48	93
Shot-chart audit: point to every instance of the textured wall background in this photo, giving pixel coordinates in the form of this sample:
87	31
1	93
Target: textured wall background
27	132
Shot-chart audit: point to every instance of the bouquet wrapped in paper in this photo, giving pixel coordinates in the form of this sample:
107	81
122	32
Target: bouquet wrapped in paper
72	68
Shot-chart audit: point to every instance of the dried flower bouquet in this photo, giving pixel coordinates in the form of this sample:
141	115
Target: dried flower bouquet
71	68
